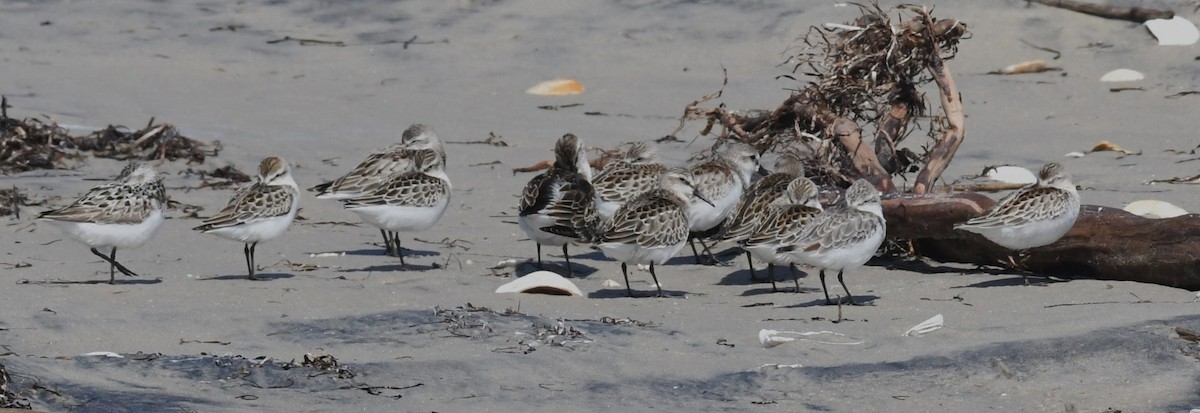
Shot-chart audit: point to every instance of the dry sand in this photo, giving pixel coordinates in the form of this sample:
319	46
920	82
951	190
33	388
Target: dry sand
197	336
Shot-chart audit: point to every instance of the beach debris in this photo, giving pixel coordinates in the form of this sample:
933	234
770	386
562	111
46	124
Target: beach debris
1122	75
610	283
1155	209
777	366
932	324
771	338
492	139
103	354
1075	154
541	282
505	263
556	87
1106	146
1136	14
1190	180
326	364
1010	174
326	254
11	201
1029	66
8	399
1176	31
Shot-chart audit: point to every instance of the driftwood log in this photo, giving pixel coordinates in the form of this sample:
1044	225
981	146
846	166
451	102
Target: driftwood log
1106	243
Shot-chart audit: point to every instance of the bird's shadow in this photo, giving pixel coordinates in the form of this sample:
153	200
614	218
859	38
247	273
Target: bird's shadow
95	282
245	277
577	270
623	293
789	288
407	267
860	300
382	252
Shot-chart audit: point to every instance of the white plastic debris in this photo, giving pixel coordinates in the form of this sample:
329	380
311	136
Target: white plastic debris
541	282
1075	154
772	338
1150	208
934	323
610	283
1011	175
1122	75
103	354
1173	32
327	254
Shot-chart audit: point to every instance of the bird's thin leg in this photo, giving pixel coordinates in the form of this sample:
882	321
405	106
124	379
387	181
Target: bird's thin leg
712	259
399	250
568	258
249	262
112	276
692	241
656	284
825	289
795	277
387	243
847	290
114	263
625	271
750	262
771	273
539	250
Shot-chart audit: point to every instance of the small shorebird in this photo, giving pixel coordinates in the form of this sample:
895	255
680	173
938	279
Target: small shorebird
380	166
411	201
626	178
558	205
651	228
258	212
1033	216
785	221
843	237
722	179
122	214
756	200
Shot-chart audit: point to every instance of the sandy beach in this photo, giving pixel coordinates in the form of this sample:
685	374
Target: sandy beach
193	334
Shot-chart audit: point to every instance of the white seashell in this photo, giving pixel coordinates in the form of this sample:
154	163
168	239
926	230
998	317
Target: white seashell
933	323
541	282
1012	175
1122	75
777	366
772	338
556	87
643	267
103	354
1173	32
1075	154
610	284
1150	208
508	263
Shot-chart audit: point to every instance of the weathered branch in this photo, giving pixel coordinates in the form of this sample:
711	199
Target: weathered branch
943	151
1136	14
1105	243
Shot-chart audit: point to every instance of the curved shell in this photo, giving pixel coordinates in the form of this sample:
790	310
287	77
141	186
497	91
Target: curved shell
541	282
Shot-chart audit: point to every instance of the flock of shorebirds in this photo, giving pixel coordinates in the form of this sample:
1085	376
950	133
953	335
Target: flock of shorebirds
635	209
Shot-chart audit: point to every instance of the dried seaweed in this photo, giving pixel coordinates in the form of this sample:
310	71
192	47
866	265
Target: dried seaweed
11	201
30	143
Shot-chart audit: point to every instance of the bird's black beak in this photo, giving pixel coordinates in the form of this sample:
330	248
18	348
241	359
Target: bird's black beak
763	171
697	193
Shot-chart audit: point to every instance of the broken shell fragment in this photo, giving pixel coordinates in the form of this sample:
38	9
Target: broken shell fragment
1122	75
1106	146
556	87
1154	209
1031	66
610	284
541	282
933	323
771	338
1173	32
